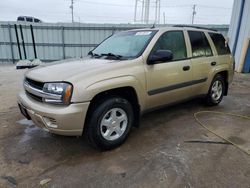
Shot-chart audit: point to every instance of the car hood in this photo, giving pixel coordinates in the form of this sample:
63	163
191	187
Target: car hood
67	70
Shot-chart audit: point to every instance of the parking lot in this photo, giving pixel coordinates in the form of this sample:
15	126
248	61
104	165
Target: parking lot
169	149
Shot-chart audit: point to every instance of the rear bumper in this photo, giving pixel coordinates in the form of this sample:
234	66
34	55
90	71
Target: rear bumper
62	120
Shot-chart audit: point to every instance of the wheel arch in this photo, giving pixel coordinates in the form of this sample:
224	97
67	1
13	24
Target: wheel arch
224	75
126	92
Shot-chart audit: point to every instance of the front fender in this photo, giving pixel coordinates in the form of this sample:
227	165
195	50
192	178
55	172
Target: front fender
92	90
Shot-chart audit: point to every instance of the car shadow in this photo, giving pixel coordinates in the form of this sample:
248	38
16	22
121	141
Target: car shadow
36	144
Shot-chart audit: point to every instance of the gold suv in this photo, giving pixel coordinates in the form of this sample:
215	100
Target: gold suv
103	95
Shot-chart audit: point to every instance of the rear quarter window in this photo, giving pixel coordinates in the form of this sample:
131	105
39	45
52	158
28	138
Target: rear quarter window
20	19
220	43
37	20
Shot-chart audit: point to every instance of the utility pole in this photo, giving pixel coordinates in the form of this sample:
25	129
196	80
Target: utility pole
145	11
135	10
146	15
72	10
159	11
193	14
164	18
142	11
156	11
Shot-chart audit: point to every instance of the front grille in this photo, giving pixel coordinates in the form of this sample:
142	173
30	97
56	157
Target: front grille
34	90
37	98
35	84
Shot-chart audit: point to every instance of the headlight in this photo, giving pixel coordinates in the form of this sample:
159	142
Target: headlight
58	92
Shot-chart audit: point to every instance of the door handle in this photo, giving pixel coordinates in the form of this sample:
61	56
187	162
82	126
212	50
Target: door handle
213	63
186	68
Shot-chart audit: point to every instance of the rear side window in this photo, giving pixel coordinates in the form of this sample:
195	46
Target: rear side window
220	43
199	43
173	41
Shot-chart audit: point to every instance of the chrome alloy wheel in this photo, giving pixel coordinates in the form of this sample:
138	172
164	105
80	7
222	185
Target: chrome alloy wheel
216	90
114	124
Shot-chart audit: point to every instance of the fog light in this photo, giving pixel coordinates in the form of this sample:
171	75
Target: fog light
50	122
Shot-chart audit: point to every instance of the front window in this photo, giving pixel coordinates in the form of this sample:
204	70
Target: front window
128	44
173	41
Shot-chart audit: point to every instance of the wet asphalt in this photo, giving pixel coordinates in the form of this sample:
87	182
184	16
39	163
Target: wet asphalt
169	149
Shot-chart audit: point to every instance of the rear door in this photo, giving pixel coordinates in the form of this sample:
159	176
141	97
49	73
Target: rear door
168	82
202	60
223	53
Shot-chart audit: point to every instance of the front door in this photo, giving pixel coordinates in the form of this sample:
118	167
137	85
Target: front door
168	82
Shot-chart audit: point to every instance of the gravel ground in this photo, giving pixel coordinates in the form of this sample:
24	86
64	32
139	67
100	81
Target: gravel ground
161	153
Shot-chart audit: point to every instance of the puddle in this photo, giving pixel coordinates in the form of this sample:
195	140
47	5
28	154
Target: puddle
26	136
30	131
25	122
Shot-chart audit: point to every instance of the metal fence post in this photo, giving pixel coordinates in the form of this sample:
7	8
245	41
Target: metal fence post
63	45
33	40
24	50
113	30
18	44
11	44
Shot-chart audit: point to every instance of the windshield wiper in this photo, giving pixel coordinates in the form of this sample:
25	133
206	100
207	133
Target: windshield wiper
112	55
93	54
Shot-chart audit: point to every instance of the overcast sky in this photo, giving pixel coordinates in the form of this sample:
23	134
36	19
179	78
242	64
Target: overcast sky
117	11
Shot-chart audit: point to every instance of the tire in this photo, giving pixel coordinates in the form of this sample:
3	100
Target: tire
216	91
110	123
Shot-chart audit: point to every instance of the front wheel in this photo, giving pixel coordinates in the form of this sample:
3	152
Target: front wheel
110	123
216	91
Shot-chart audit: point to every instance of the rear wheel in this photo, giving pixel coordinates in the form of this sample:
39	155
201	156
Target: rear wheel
110	123
216	91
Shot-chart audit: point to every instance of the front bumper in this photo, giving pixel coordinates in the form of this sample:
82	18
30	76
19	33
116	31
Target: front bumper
62	120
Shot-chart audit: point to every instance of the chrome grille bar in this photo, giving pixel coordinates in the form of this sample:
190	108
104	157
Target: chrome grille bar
40	93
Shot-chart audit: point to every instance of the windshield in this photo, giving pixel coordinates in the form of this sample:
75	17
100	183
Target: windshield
128	44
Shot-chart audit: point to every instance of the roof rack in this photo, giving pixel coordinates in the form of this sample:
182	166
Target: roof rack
197	27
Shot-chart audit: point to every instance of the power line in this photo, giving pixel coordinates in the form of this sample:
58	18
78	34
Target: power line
214	7
105	4
195	18
128	5
153	5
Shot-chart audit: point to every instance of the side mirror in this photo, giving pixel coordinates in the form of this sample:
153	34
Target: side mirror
160	56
